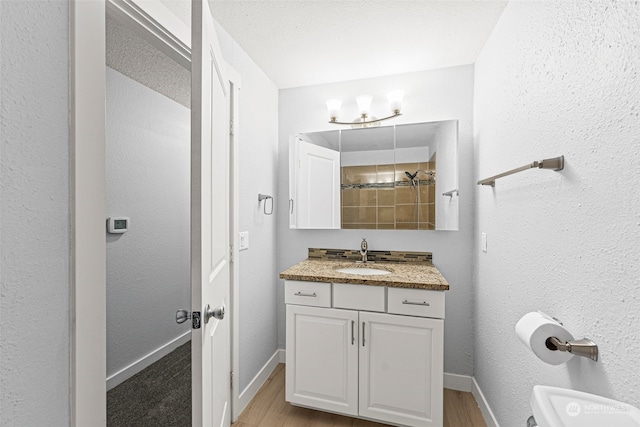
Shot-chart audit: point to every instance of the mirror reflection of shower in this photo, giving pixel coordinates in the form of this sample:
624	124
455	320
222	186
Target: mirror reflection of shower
415	181
381	169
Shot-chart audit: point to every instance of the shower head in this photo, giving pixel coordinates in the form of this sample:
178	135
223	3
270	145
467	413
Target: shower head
411	176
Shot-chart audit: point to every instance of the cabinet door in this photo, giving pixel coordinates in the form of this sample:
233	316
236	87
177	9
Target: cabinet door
401	369
318	187
293	180
322	358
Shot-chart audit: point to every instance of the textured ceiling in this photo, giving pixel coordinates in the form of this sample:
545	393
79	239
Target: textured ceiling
307	42
299	43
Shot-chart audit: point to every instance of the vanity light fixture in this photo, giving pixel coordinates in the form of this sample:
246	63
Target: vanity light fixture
364	107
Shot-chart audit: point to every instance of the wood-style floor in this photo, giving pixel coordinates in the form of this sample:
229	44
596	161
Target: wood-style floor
269	409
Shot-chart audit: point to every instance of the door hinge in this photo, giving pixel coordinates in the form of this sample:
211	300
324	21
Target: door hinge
230	126
195	320
231	253
231	379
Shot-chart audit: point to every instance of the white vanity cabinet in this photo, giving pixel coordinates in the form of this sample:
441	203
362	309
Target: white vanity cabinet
361	360
322	358
401	369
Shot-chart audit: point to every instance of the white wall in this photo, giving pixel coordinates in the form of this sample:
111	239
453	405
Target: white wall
384	157
559	78
411	155
258	123
34	213
447	177
430	95
148	267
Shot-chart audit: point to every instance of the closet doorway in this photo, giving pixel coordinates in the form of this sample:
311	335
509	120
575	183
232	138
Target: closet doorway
141	122
147	165
87	135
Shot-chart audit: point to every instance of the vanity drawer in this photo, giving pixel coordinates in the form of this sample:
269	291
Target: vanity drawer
317	294
359	297
416	302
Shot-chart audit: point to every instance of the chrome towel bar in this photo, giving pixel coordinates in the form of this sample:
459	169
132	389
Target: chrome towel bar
556	163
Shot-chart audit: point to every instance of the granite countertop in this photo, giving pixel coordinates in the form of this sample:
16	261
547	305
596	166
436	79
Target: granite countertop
403	275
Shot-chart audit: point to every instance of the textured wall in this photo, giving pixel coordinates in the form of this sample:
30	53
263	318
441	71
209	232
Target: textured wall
258	140
429	95
147	171
559	78
34	214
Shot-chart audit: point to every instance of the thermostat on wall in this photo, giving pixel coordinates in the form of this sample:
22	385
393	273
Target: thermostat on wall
117	225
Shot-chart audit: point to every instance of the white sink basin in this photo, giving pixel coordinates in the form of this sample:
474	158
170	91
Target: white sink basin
363	271
560	407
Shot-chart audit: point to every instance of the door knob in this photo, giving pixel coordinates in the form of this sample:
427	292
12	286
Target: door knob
182	316
217	312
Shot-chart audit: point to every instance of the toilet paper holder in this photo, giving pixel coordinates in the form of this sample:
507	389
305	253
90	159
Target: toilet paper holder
584	347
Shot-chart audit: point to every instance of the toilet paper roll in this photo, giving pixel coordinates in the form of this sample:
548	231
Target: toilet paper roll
533	330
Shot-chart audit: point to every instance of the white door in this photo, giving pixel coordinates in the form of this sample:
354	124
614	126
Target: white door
293	179
210	269
401	363
322	358
318	186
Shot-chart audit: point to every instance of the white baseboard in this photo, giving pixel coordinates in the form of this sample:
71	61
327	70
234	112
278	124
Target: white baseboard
258	381
458	382
137	366
469	384
487	414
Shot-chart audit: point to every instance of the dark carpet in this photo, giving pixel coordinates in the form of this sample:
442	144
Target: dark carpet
160	395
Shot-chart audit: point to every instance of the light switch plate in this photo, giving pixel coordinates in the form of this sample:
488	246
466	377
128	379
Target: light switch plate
244	241
483	242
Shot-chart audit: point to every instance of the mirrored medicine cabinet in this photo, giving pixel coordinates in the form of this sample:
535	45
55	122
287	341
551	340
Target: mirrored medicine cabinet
400	177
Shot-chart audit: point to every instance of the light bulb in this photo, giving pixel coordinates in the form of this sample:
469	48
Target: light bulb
364	104
333	105
395	101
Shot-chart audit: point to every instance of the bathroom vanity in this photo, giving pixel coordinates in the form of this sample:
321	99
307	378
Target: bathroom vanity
363	345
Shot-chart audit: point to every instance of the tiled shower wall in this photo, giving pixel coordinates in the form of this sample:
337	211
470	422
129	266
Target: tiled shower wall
382	197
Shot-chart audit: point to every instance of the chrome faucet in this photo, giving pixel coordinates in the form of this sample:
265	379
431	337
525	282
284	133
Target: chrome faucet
363	250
